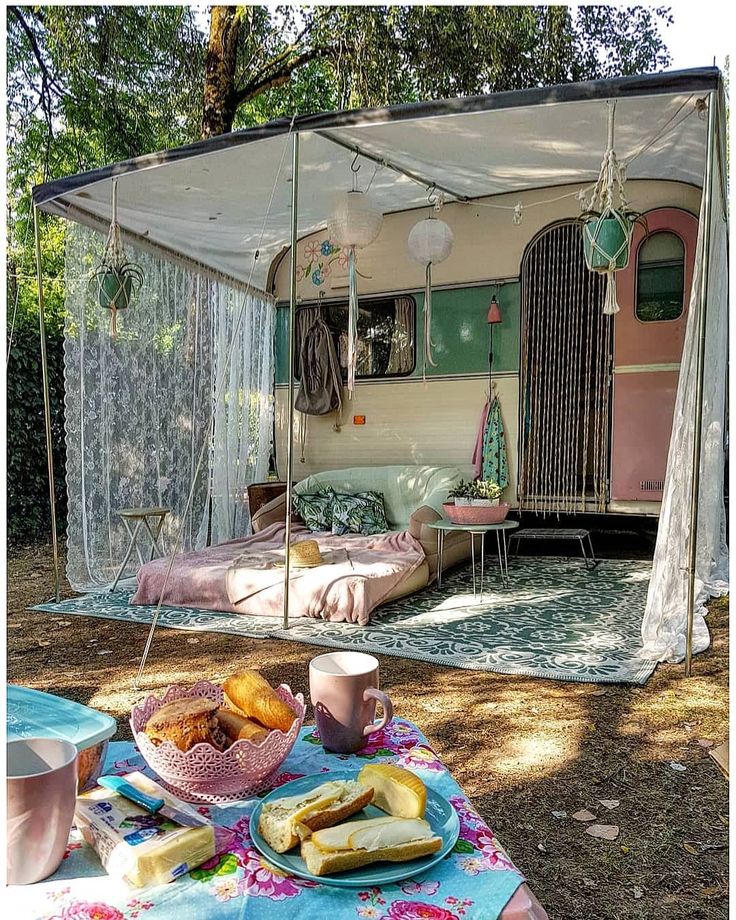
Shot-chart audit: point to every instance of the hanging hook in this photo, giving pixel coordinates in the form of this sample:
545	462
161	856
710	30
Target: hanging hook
355	160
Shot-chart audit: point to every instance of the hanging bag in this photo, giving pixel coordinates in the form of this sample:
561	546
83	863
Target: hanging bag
320	383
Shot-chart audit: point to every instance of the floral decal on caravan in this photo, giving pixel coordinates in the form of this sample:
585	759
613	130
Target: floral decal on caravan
318	261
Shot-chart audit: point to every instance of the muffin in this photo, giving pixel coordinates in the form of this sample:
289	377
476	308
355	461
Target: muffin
186	722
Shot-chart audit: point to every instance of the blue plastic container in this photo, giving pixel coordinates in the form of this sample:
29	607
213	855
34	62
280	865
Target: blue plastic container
33	714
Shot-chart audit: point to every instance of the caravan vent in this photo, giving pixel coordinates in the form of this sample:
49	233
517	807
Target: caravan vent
652	485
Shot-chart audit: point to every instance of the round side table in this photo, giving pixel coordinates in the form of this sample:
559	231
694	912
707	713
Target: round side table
443	526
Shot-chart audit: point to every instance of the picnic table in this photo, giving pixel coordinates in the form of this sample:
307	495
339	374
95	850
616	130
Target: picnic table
476	881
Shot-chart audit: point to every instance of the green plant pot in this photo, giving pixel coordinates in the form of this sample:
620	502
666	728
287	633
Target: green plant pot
115	290
610	236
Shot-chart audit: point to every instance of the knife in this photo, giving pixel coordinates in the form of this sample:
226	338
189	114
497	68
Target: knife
151	804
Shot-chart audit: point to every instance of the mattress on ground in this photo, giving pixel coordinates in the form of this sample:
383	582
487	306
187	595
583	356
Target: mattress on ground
244	576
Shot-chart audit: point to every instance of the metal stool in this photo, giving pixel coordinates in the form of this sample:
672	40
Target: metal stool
141	517
560	533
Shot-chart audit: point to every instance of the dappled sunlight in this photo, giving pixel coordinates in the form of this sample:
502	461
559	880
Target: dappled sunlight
667	726
540	753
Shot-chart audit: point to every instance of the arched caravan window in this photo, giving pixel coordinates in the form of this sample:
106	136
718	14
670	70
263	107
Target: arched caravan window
660	278
385	334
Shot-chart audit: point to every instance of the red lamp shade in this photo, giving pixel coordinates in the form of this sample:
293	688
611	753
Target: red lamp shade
494	312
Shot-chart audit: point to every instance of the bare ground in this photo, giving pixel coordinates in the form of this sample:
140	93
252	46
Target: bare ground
521	748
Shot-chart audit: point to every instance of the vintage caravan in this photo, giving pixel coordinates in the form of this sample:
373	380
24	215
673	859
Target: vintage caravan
586	399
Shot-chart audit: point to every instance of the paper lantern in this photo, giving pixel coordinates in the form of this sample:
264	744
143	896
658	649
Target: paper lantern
354	223
430	242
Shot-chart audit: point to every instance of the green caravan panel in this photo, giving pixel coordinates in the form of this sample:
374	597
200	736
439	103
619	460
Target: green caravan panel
460	331
281	331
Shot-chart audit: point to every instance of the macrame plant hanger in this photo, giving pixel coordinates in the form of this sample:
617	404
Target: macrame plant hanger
608	222
115	278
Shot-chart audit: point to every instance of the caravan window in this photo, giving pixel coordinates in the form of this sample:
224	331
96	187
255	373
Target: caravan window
385	335
660	278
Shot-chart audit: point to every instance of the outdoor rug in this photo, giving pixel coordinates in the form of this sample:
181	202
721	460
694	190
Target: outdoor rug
556	620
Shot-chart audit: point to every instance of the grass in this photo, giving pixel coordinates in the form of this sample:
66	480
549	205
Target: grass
521	748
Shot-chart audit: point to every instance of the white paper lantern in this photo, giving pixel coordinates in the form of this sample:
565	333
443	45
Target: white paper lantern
430	241
355	221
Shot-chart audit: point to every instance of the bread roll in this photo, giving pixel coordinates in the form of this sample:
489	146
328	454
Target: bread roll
253	697
238	728
188	721
360	843
284	822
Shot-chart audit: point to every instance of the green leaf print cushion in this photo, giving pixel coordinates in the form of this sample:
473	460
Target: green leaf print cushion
315	509
360	513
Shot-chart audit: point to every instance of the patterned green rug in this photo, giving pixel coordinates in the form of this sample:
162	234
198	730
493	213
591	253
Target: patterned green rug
555	620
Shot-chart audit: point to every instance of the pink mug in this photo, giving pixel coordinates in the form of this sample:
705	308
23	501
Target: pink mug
42	793
344	691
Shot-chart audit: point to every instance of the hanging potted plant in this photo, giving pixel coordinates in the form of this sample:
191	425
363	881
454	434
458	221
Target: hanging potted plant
608	222
116	279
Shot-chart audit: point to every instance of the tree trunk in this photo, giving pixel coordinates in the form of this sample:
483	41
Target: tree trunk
219	81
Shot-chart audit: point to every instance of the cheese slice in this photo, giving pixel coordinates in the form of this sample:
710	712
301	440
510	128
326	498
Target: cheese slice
396	791
373	834
300	806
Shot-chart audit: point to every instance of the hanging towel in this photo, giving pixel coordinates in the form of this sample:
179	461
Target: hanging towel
494	463
477	460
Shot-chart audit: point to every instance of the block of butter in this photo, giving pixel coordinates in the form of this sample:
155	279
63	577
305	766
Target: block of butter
142	848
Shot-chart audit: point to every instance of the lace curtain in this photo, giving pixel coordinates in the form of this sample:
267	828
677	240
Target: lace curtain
139	408
665	620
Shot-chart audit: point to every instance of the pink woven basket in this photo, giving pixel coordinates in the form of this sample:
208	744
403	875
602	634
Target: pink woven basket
476	514
204	774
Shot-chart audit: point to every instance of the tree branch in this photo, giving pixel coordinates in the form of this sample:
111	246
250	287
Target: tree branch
47	78
270	80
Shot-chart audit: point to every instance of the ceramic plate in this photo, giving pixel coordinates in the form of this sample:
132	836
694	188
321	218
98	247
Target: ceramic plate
441	816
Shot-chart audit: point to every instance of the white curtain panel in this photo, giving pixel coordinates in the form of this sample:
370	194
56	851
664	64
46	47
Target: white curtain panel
139	408
665	621
243	424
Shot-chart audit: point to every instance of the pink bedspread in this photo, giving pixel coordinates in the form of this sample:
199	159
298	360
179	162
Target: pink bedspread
240	576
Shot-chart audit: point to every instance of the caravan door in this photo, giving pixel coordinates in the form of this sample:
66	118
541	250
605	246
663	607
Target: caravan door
653	294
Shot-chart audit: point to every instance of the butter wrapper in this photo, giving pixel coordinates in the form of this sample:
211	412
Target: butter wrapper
142	848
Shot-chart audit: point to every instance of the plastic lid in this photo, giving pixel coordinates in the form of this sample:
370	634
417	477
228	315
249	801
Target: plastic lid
33	714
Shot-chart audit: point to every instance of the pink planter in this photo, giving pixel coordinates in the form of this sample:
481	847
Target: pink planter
42	793
476	514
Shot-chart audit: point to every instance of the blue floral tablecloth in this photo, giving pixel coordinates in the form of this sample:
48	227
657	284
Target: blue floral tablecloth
474	882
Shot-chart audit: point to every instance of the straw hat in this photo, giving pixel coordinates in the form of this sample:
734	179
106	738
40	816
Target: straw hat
305	554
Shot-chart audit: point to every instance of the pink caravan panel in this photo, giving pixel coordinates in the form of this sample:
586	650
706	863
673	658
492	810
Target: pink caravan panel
643	407
636	342
643	396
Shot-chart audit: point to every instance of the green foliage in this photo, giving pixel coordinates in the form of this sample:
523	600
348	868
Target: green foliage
89	85
27	484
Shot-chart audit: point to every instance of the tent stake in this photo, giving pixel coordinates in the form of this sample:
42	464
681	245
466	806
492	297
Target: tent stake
700	370
290	397
47	405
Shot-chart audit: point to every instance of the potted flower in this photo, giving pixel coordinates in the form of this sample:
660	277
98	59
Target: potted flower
485	493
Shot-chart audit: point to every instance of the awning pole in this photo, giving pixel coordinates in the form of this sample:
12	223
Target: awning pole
46	405
700	373
290	397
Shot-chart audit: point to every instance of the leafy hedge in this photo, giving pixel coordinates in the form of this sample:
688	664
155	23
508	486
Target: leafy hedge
29	517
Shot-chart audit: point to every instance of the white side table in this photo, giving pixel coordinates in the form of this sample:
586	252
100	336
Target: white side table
150	520
477	530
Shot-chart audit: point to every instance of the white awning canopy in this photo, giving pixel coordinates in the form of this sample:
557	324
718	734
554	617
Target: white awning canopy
218	202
